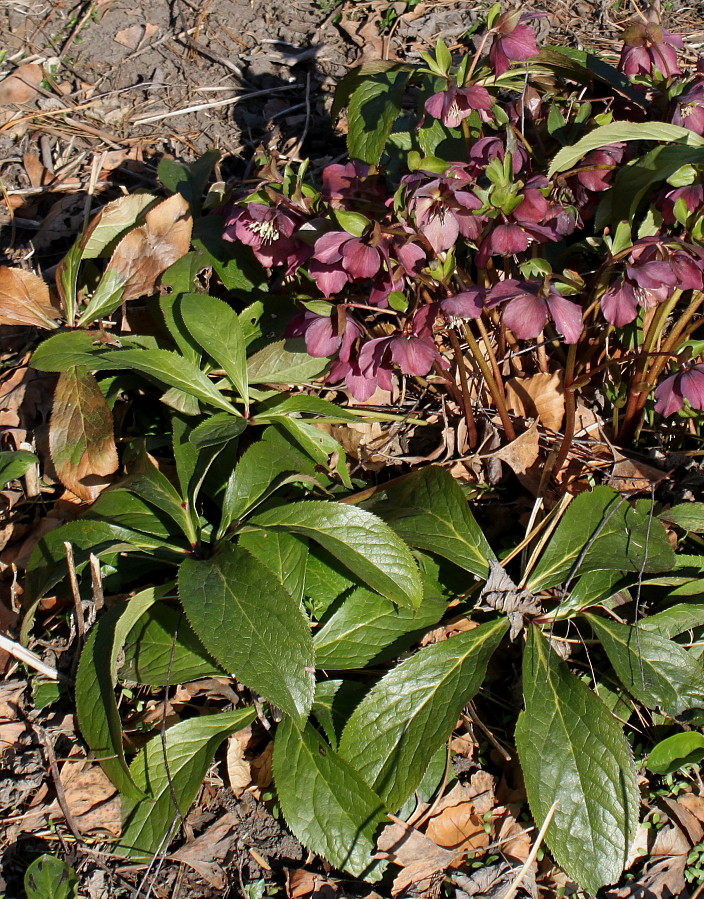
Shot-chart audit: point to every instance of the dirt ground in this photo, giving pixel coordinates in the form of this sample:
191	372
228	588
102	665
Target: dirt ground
128	82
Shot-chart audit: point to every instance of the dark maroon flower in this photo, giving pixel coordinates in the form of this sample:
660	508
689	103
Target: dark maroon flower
339	257
687	384
693	196
414	355
270	232
527	310
456	103
468	303
688	110
605	161
359	385
325	335
485	149
443	208
503	240
648	47
512	41
347	185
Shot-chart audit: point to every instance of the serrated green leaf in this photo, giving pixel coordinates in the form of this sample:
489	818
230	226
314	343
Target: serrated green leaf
145	480
657	672
61	351
591	588
127	510
672	753
360	540
216	327
324	800
218	428
615	533
153	657
403	720
688	516
366	627
111	222
622	131
312	405
285	555
284	362
50	878
334	702
573	751
372	110
168	368
189	746
170	307
188	179
234	263
96	708
251	626
13	464
429	510
106	298
675	620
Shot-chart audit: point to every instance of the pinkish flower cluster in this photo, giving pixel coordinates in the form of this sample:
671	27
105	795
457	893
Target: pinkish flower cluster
686	384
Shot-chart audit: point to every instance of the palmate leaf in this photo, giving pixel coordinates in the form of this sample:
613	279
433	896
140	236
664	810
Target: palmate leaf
656	671
325	802
360	540
189	747
394	732
251	626
573	751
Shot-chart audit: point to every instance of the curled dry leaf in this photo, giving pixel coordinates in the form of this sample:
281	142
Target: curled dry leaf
302	884
207	853
540	396
21	86
502	594
81	439
92	800
24	300
147	251
421	859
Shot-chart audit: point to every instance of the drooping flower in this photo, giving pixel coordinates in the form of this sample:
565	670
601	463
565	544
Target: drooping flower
346	185
468	303
605	162
688	109
270	232
326	335
511	41
443	207
339	257
456	103
528	309
647	47
686	384
692	194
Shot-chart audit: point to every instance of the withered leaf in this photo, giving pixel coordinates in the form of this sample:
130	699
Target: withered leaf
147	251
81	438
24	300
21	86
540	396
502	594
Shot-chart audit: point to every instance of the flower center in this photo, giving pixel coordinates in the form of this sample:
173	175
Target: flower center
267	231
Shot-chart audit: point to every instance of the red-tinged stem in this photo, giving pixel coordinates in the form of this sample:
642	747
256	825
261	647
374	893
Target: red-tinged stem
570	408
466	399
494	389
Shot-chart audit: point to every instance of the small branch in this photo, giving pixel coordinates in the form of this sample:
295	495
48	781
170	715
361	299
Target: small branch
466	399
27	657
513	889
58	786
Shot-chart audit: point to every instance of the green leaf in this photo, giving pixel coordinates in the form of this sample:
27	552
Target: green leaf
50	878
316	443
365	627
325	802
312	405
218	428
149	646
657	672
146	481
181	275
591	588
674	752
429	510
106	298
403	720
573	751
233	262
285	555
334	702
61	351
284	362
170	307
96	708
688	516
168	368
216	327
13	464
615	533
189	747
675	620
372	110
127	510
568	157
360	540
189	180
111	222
251	626
585	67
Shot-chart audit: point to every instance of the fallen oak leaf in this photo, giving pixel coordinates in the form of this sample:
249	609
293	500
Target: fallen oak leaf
24	300
81	439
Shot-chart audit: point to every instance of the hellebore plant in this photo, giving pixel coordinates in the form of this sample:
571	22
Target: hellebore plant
526	226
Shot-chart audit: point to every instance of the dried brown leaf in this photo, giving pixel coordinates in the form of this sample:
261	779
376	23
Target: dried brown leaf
522	453
458	827
24	300
134	35
92	800
302	884
207	853
540	396
147	251
21	86
81	438
420	858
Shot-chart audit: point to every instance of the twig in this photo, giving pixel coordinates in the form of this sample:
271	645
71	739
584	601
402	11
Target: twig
79	24
96	583
216	103
22	654
472	714
58	786
96	168
513	889
76	593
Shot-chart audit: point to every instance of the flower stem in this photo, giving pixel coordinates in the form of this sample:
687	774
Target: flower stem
494	389
466	400
570	409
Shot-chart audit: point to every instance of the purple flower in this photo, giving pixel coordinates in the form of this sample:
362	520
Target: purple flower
485	149
325	335
456	103
648	47
359	385
270	232
689	109
687	384
338	257
693	196
512	41
466	304
527	310
443	208
414	355
605	161
346	185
